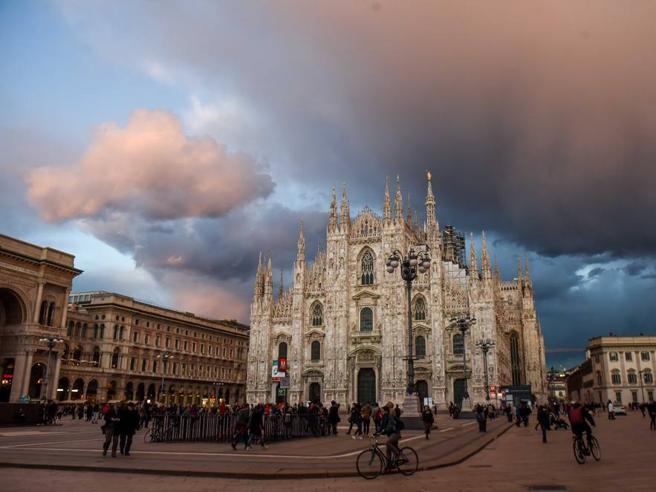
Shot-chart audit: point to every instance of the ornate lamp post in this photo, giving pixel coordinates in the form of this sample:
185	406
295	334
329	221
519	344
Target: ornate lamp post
411	264
51	342
485	346
463	323
165	356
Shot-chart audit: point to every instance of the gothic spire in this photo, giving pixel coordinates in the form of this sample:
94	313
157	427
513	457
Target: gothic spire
300	249
332	219
281	287
527	275
485	258
345	216
387	207
519	270
409	220
473	263
430	201
398	202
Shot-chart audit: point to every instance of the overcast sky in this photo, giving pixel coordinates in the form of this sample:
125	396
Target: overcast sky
166	143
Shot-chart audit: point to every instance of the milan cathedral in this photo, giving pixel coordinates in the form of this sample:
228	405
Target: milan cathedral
341	327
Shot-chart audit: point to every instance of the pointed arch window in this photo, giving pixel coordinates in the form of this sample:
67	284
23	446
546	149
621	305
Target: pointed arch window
317	314
458	344
367	267
366	319
315	351
420	347
282	350
515	361
420	309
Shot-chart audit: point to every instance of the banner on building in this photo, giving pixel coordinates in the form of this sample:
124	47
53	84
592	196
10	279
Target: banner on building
285	382
282	364
276	374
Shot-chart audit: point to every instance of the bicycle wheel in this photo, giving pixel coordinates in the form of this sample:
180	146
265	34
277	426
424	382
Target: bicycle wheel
147	437
579	454
369	463
408	461
595	449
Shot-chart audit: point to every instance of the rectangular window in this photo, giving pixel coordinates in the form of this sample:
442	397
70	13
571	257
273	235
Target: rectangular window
147	340
193	347
154	366
177	344
618	396
650	395
157	341
616	378
133	363
613	356
628	356
168	342
143	365
634	396
135	337
186	345
644	356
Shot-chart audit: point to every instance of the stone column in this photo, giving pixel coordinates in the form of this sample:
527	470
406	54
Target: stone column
19	373
65	309
37	305
54	378
26	373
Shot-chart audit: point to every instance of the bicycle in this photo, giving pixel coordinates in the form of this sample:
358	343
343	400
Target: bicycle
582	449
372	461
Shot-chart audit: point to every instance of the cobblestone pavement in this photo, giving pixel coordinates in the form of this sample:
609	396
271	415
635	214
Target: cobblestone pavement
516	461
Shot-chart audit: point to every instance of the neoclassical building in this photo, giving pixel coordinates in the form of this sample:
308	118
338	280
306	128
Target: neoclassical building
120	348
34	287
342	324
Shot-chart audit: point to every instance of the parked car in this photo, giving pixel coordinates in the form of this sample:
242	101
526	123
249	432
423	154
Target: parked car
619	408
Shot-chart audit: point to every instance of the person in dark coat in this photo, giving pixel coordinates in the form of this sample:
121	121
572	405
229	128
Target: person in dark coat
481	418
428	419
543	421
128	424
256	426
333	417
111	430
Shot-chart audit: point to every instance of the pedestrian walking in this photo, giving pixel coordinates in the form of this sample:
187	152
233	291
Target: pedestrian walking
110	429
543	421
127	426
256	426
428	419
366	418
333	417
651	410
481	418
611	410
241	428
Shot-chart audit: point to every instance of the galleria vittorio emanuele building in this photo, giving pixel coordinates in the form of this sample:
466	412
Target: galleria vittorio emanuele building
341	327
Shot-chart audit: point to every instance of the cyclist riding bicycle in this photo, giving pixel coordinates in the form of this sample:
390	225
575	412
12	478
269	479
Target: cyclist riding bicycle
392	425
579	416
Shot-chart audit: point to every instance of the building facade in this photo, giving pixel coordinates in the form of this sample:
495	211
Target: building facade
34	287
342	325
120	348
620	369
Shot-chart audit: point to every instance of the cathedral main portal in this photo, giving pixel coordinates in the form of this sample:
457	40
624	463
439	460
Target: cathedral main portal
366	386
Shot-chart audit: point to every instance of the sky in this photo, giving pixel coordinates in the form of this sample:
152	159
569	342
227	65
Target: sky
166	144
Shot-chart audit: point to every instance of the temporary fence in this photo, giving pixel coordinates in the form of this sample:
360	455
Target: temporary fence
221	428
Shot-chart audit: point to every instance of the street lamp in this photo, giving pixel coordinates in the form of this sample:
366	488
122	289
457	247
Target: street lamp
51	342
165	356
411	264
485	346
463	323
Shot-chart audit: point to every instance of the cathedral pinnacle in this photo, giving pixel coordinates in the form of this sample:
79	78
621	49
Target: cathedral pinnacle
300	251
387	207
473	263
486	269
281	287
398	201
409	219
332	220
430	201
345	215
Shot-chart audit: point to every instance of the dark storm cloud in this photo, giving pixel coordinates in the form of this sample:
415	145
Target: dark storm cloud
536	118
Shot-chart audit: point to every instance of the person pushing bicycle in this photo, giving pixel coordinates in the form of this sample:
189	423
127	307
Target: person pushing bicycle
579	416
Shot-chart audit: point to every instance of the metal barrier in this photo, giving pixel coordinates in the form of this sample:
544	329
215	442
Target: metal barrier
221	428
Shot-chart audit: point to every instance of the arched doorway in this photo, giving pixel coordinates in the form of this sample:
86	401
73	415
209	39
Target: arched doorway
141	392
92	390
422	390
458	391
36	380
151	392
11	310
129	391
111	390
315	392
62	389
78	389
366	385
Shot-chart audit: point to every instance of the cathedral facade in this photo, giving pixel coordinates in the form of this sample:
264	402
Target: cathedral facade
341	327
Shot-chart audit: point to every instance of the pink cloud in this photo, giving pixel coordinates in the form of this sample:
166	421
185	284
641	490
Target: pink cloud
149	168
